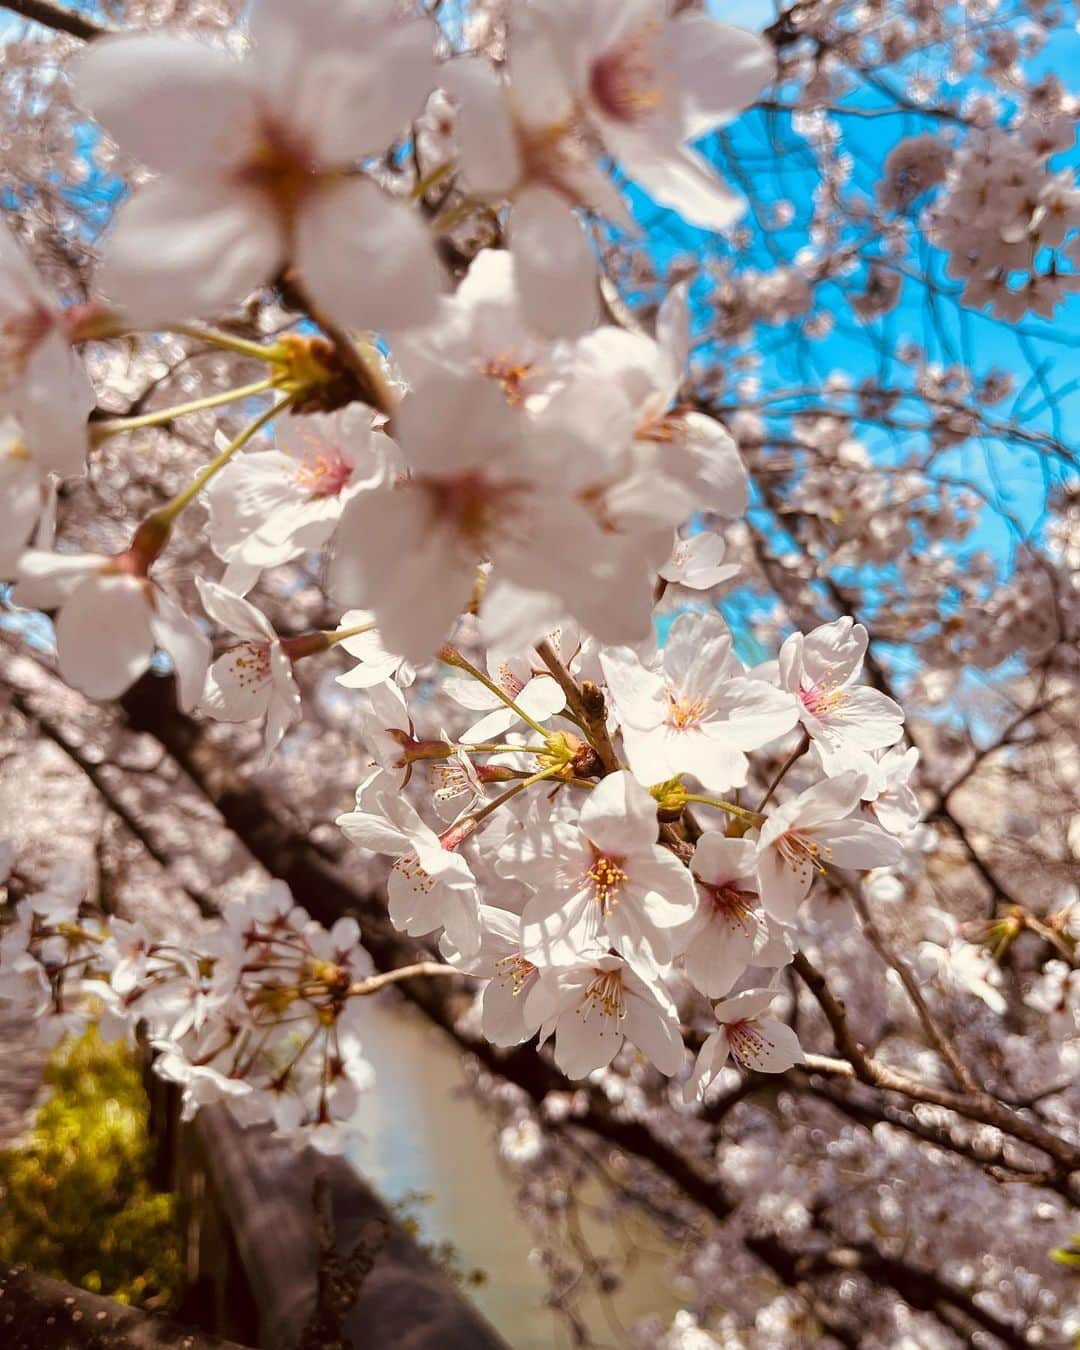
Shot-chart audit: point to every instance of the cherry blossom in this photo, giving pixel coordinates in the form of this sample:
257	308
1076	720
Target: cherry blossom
520	678
947	955
698	562
820	669
269	506
758	1042
692	708
431	885
728	928
607	878
43	384
410	552
812	833
594	1005
309	99
525	432
889	796
253	679
646	86
518	138
1057	994
509	974
375	665
689	450
385	727
96	594
483	329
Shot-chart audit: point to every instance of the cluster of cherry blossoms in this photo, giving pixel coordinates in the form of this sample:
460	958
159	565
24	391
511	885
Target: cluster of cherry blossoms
487	468
578	892
583	890
1008	221
260	1012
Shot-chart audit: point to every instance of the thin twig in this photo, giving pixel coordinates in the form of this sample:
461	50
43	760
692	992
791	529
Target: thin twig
586	702
56	17
940	1041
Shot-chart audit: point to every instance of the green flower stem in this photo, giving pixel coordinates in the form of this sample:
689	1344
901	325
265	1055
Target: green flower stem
515	791
754	817
340	634
103	430
165	517
504	749
450	656
227	342
433	179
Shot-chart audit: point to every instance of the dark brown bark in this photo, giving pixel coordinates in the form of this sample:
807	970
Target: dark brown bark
42	1314
56	17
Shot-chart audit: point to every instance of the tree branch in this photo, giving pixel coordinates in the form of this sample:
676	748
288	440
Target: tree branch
56	17
979	1106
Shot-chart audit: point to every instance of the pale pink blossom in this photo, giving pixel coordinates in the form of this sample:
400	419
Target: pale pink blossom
604	882
257	159
646	86
697	562
522	678
812	833
692	453
111	618
692	708
43	384
375	665
594	1005
431	885
254	678
270	506
841	717
746	1033
728	926
410	552
509	974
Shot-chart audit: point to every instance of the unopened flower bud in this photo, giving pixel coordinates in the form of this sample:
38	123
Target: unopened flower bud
670	797
592	699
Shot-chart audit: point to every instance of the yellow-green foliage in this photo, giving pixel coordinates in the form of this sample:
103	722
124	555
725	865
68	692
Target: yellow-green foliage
75	1200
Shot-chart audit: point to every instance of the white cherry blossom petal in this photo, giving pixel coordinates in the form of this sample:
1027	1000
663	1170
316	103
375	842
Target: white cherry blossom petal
367	259
180	248
178	105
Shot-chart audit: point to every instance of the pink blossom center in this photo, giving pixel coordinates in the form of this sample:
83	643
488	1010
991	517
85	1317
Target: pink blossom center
734	906
624	81
472	505
280	165
324	471
822	700
509	682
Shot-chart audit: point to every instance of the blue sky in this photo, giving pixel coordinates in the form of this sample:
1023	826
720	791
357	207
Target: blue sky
1017	478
